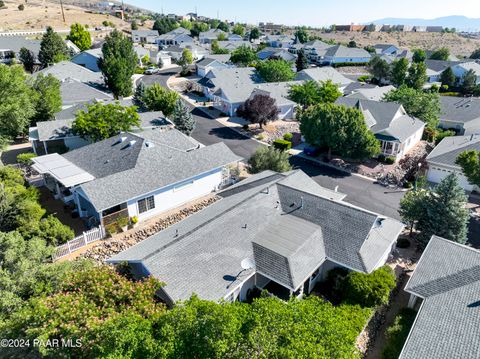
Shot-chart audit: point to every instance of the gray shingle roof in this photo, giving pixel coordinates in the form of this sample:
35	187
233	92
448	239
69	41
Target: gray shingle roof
447	325
74	92
15	43
389	119
67	69
459	109
373	94
343	51
165	158
70	112
439	65
205	256
323	74
447	151
50	130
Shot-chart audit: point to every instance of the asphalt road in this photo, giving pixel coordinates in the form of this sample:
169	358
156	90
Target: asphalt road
359	191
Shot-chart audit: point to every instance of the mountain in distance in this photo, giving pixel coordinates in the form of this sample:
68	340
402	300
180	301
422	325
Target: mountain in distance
461	23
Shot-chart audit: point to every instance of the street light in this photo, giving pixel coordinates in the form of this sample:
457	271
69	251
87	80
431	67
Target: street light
416	175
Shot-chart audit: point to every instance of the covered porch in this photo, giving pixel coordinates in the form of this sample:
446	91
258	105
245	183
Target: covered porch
391	147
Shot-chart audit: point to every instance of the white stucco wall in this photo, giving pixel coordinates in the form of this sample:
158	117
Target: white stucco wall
171	197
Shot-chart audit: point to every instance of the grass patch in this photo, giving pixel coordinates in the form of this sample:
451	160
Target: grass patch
397	333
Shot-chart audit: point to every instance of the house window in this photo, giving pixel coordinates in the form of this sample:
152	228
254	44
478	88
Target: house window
146	204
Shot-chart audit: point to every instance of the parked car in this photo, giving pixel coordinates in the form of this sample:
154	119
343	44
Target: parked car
152	71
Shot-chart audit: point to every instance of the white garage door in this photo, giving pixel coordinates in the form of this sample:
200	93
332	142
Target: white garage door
437	174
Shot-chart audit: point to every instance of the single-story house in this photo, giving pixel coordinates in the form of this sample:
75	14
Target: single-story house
156	56
234	37
217	78
233	45
324	74
10	47
374	94
397	132
441	161
461	69
145	36
279	91
341	54
446	280
175	37
386	49
207	37
279	232
461	114
270	53
69	70
357	85
74	92
136	174
56	136
88	59
206	64
279	40
176	51
436	67
314	50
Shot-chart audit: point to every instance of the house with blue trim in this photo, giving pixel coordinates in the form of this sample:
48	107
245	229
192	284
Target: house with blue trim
136	174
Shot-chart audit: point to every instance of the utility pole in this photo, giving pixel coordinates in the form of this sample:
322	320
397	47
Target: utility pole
63	14
123	11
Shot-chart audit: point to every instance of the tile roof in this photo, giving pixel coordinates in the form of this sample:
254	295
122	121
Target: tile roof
447	325
202	254
157	158
447	151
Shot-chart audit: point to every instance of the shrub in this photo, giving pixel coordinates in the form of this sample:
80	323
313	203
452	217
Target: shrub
122	222
442	134
282	145
139	71
397	333
245	127
21	7
390	160
134	220
26	158
111	229
364	78
53	231
369	290
403	242
381	158
288	137
268	158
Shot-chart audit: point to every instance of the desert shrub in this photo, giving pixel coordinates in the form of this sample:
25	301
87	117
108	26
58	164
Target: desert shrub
282	145
369	290
397	333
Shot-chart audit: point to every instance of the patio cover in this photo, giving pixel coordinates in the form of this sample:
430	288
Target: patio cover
61	169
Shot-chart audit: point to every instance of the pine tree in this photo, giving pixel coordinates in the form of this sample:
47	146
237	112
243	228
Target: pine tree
183	119
445	212
138	95
302	61
52	48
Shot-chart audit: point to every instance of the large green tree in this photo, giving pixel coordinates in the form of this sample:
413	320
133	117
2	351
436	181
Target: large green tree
101	121
469	82
243	56
312	92
470	163
164	25
118	63
448	77
302	61
52	48
16	104
158	98
419	56
259	109
28	59
340	129
417	75
379	68
269	158
182	118
254	33
398	71
238	29
442	53
423	105
301	34
275	71
80	36
47	97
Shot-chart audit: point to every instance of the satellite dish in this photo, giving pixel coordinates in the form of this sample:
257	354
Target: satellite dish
247	263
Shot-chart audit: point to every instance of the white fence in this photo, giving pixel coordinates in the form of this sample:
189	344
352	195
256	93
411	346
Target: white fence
78	242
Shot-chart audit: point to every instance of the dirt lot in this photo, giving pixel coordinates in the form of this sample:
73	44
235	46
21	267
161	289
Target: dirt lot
458	45
38	14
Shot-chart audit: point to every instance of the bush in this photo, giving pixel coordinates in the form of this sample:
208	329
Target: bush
442	134
21	7
364	78
122	222
398	332
111	229
26	158
288	137
369	290
390	160
403	242
53	231
282	145
268	158
381	158
139	71
245	127
134	220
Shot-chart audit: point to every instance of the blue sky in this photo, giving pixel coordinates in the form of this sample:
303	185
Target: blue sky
315	12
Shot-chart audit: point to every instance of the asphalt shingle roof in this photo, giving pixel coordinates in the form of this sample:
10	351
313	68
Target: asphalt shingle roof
459	109
202	254
15	43
343	51
66	69
74	92
447	151
447	325
323	74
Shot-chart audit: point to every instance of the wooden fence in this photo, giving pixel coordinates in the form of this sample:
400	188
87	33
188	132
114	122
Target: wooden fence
78	242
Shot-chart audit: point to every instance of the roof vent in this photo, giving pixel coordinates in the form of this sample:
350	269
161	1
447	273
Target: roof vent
149	144
131	143
122	139
378	223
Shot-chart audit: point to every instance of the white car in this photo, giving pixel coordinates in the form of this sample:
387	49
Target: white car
151	71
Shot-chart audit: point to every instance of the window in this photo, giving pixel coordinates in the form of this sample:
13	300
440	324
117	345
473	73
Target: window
146	204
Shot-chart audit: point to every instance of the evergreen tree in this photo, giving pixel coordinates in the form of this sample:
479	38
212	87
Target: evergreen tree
419	56
118	63
469	82
302	61
398	72
379	68
52	48
27	57
269	158
183	119
445	214
139	94
448	77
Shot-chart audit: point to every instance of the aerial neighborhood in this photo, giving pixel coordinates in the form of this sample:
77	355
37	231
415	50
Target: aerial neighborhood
188	186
